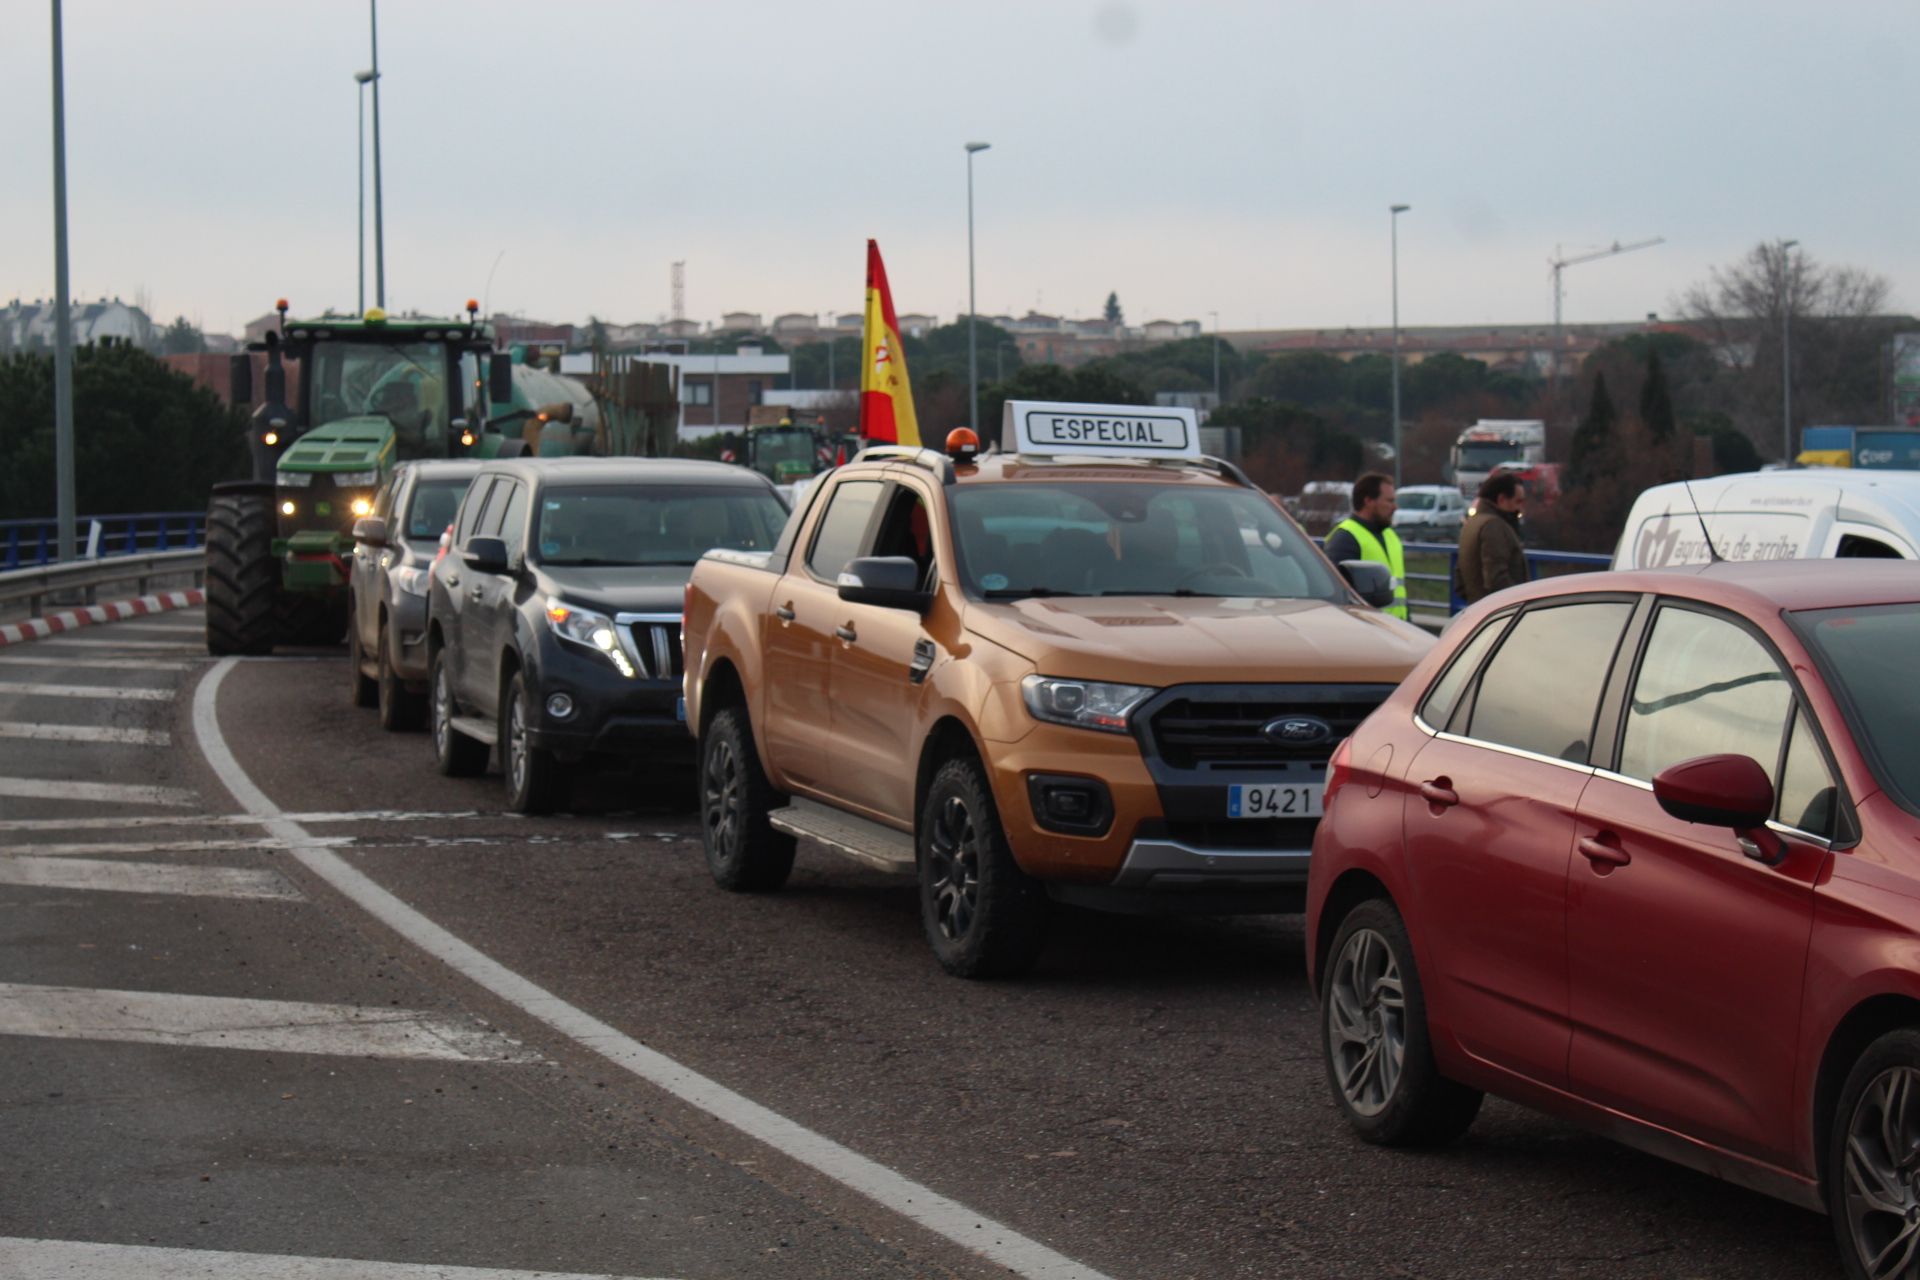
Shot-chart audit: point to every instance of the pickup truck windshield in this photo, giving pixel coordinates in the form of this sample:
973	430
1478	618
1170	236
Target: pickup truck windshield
1131	539
1869	656
653	524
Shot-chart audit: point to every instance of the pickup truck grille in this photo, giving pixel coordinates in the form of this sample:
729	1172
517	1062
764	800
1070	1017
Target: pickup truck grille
1222	727
652	641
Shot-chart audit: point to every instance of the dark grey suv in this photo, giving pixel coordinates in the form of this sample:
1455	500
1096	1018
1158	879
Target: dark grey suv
553	623
394	546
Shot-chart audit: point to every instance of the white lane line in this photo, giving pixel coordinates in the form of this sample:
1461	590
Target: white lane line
82	642
223	1022
79	663
82	1260
95	792
184	627
915	1201
84	733
143	877
84	691
163	846
230	820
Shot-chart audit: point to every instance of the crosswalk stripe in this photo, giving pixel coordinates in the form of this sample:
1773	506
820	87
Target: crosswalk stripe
84	733
166	846
224	1022
143	877
70	1259
84	691
80	663
95	792
81	642
137	822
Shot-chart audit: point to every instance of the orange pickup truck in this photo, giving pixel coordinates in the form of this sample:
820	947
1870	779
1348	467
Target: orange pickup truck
1099	669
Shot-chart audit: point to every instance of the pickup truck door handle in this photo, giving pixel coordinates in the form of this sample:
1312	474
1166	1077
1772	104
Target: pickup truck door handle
1439	791
922	663
846	633
784	613
1603	851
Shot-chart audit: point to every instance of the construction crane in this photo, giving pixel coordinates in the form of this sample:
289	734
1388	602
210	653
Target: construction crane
1560	264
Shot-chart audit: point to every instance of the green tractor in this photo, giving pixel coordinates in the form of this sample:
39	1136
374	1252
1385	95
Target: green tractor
371	392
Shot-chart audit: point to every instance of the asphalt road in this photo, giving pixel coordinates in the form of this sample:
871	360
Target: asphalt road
1149	1103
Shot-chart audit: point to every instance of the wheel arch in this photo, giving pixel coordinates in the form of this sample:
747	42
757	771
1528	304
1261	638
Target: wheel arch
721	689
1354	887
947	738
1863	1024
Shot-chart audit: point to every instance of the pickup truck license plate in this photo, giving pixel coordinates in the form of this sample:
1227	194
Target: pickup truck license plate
1274	800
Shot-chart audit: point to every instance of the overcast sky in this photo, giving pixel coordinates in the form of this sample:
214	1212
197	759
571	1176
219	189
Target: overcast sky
1194	157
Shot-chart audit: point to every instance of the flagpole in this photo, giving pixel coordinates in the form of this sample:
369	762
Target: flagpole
973	354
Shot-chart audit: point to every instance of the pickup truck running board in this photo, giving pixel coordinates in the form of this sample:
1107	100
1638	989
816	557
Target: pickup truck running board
480	730
879	847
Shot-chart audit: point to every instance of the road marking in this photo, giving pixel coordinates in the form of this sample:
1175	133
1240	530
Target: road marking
164	846
84	733
84	642
71	1259
223	1022
137	822
92	664
143	877
912	1200
183	627
85	691
95	792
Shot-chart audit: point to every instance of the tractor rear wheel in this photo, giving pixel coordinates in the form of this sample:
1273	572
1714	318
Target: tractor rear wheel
243	579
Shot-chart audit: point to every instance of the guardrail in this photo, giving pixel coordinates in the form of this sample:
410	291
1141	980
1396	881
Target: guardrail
36	542
84	577
1428	611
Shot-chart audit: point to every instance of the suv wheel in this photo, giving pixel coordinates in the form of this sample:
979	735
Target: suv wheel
458	755
365	692
399	707
1373	1023
1872	1195
533	775
984	916
744	852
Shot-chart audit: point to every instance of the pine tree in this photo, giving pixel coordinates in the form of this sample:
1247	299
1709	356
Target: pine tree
1113	309
1591	453
1656	400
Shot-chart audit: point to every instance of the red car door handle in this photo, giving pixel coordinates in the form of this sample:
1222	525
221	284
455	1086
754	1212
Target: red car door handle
1598	850
1438	792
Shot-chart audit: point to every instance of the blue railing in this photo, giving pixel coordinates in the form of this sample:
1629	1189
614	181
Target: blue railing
1574	561
26	543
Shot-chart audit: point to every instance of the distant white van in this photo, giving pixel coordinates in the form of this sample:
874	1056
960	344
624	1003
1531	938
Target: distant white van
1801	514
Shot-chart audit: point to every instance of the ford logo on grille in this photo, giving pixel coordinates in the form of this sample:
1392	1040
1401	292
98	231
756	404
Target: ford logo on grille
1298	731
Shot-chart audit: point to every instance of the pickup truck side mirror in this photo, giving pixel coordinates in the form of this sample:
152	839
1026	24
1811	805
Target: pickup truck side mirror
892	582
371	530
1374	581
485	555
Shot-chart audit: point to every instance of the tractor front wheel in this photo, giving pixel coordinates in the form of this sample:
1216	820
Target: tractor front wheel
243	579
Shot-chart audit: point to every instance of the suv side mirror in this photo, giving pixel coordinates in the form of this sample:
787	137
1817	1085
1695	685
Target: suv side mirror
892	582
499	379
1373	581
371	530
485	555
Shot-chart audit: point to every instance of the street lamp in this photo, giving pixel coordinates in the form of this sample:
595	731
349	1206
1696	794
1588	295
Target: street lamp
379	223
1786	351
363	79
973	355
1393	221
1216	358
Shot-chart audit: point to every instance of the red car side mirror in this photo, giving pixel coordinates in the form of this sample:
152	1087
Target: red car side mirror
1723	791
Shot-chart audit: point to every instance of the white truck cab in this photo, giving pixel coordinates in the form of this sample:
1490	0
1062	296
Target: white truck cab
1811	513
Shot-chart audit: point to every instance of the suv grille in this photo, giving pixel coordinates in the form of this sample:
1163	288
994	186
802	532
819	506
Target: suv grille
656	646
1222	728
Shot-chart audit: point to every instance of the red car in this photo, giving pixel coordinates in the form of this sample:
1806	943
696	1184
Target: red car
1643	850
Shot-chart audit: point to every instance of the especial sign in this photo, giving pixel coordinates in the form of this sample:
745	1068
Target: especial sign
1099	430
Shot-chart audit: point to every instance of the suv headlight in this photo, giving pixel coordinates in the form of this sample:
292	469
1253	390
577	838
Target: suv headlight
588	629
409	579
1085	704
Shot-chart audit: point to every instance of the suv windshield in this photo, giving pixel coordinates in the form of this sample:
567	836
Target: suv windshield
1131	539
404	382
653	524
1868	655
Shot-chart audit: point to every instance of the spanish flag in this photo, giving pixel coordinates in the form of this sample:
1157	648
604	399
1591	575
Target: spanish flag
886	397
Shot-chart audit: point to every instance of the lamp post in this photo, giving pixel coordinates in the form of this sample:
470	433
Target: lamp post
63	451
379	223
1393	221
1786	351
363	79
1216	358
973	355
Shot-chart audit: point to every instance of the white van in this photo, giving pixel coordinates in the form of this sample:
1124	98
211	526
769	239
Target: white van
1811	513
1429	511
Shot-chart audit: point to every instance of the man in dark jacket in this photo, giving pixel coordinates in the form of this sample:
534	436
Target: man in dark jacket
1490	553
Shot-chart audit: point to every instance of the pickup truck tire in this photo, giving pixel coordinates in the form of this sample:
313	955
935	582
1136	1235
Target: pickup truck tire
364	692
984	916
744	852
533	775
457	755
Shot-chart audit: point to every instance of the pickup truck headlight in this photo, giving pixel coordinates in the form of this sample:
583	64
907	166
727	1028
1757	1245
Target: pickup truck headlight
588	629
410	580
1085	704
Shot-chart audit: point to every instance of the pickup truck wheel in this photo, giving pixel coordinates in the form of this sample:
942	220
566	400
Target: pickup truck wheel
399	707
1373	1022
365	692
457	755
744	852
984	916
533	775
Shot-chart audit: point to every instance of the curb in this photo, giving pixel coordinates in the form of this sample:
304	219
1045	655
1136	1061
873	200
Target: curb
73	619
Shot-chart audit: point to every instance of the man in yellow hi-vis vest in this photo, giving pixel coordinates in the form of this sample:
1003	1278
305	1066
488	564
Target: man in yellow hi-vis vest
1368	535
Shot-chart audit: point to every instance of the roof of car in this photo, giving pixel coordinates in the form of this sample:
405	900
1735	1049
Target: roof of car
630	471
1752	586
443	466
